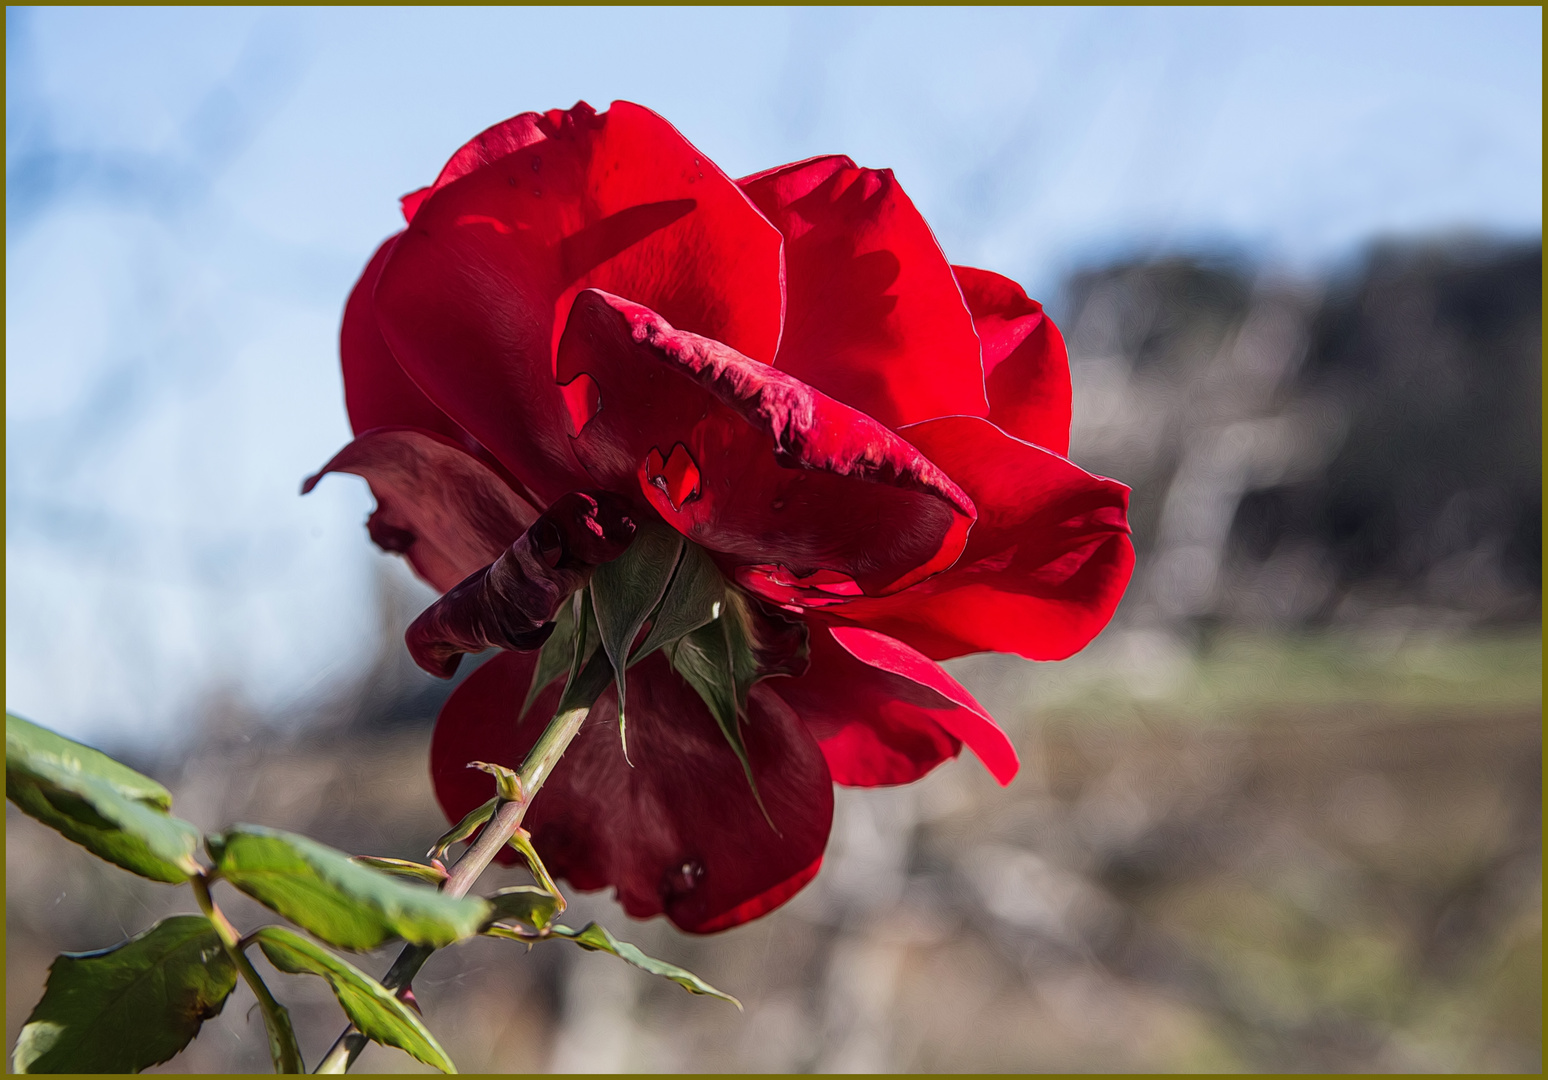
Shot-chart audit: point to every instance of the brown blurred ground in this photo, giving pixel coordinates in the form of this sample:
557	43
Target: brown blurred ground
1309	870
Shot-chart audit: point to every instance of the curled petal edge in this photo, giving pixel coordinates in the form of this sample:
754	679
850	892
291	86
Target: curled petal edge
969	722
618	343
441	505
511	603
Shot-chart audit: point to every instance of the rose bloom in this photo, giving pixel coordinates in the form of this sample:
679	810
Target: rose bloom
868	442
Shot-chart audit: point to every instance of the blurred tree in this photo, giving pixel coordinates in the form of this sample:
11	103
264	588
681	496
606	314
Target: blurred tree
1330	451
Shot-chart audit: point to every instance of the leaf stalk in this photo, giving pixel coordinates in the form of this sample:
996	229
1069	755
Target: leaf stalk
283	1047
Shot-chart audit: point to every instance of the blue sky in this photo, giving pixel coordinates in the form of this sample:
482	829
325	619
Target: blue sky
190	194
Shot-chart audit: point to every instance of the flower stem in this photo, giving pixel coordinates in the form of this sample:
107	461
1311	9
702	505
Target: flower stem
283	1047
540	762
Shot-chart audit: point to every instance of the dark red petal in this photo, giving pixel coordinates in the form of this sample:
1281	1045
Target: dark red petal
764	902
873	316
437	504
377	393
471	296
1026	368
1045	566
679	832
510	604
885	714
749	462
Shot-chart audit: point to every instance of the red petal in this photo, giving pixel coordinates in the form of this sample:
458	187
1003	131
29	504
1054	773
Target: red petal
782	472
1026	369
886	714
763	903
472	294
501	140
817	589
581	400
873	316
488	146
410	203
377	393
1045	566
676	477
449	513
679	832
875	728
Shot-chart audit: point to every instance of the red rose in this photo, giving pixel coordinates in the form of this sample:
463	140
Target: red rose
867	441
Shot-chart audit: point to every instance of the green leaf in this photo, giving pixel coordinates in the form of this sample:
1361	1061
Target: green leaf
464	828
625	591
370	1006
38	747
107	808
596	938
694	598
529	904
554	658
337	899
414	871
124	1009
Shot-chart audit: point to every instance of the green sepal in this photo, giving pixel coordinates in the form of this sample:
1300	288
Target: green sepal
405	868
596	938
623	594
127	1008
589	684
591	672
694	598
718	661
106	807
335	898
554	658
379	1014
703	659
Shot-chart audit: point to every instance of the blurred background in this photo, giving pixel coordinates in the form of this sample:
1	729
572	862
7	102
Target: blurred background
1284	814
